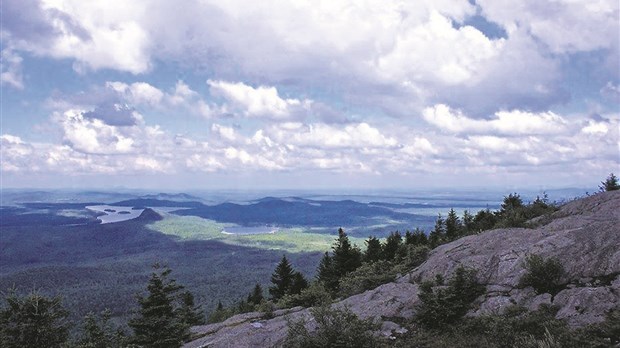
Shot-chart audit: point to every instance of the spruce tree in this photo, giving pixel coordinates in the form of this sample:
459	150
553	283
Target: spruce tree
157	324
33	321
282	279
326	273
373	250
347	257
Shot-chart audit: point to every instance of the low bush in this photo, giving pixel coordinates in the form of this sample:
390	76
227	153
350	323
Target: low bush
334	328
544	275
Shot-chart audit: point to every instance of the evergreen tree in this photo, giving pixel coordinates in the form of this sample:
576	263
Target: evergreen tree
373	250
256	296
33	321
391	245
347	257
157	324
453	225
100	333
417	237
511	202
484	220
610	184
189	313
468	222
326	273
282	279
299	283
438	234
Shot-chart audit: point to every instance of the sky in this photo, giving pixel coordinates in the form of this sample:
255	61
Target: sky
336	94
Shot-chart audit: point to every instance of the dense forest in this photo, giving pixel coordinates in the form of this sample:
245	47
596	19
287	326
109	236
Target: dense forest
165	310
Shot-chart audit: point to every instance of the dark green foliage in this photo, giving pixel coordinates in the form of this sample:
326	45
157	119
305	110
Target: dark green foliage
256	296
314	295
373	250
600	335
544	275
515	328
468	222
32	321
610	184
326	273
438	234
100	333
453	225
411	256
299	283
417	237
189	313
334	328
391	245
442	305
282	279
157	324
484	220
346	257
366	277
221	313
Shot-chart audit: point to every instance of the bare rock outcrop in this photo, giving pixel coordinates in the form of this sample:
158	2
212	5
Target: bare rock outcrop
584	235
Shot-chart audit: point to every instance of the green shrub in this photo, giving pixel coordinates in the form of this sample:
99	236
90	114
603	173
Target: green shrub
544	275
334	328
366	277
315	294
441	305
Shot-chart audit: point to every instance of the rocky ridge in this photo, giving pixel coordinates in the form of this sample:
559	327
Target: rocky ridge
584	235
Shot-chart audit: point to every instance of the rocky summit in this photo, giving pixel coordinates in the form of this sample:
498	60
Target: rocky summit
584	235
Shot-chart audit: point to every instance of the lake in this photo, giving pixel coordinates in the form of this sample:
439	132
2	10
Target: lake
115	213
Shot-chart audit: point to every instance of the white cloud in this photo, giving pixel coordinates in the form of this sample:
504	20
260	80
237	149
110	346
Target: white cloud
564	25
262	101
513	122
11	69
137	93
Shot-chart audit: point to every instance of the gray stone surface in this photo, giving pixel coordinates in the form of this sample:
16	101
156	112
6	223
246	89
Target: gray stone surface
584	235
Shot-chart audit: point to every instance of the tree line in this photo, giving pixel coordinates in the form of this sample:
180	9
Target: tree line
162	319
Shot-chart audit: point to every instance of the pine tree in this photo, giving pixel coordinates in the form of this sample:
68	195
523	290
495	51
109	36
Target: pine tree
33	321
157	324
346	257
282	279
373	250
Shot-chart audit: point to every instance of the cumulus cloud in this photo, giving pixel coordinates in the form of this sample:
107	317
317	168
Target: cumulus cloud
261	101
513	122
416	52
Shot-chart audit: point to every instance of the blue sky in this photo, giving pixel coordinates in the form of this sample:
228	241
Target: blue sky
309	94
